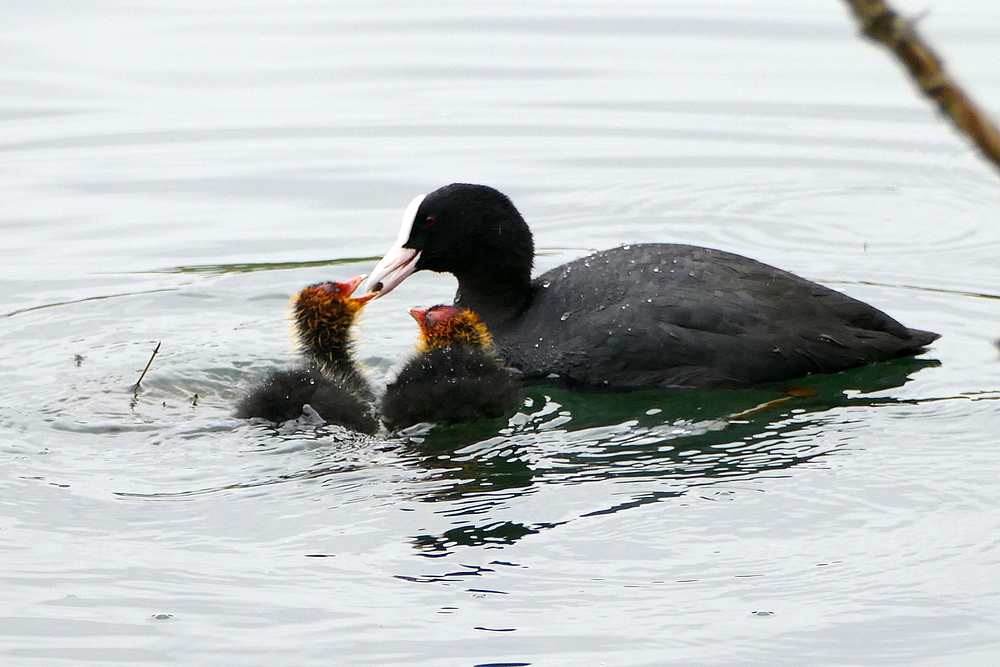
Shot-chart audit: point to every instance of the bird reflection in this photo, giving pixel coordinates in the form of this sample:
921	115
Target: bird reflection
682	438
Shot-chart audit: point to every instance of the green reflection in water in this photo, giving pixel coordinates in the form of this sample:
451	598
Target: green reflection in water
679	439
253	267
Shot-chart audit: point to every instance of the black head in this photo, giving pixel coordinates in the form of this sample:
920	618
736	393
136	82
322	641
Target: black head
461	227
471	231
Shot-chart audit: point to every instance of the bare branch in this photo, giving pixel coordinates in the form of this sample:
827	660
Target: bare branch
881	23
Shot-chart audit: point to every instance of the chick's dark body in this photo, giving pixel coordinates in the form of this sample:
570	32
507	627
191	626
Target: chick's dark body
449	384
327	379
342	398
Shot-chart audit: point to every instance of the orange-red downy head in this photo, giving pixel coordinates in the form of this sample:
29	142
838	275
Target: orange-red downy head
324	313
441	326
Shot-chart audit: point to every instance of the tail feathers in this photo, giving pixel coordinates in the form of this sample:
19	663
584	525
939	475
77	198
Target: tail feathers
922	338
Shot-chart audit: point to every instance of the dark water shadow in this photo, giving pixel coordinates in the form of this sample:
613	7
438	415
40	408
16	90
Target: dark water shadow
255	267
679	439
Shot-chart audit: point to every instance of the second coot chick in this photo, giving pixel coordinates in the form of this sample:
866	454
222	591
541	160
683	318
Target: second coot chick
643	316
456	376
328	380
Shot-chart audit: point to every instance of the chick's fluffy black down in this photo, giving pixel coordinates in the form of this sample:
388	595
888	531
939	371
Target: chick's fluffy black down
338	397
449	384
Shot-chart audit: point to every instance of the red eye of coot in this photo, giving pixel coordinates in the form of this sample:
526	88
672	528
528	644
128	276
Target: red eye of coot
430	221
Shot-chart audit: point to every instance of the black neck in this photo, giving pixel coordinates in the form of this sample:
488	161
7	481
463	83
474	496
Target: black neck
496	298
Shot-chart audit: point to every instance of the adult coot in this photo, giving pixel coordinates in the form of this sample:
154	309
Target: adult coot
639	316
328	380
456	375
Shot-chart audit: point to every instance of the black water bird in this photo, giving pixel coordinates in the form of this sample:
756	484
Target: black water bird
327	380
455	376
638	316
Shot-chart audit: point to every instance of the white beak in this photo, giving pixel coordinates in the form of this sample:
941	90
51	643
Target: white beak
398	262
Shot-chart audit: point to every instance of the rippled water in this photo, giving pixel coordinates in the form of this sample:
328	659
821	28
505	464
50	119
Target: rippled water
173	172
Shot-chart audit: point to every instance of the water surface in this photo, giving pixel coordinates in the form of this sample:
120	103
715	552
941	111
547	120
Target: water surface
172	173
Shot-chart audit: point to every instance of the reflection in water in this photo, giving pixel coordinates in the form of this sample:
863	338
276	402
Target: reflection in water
252	267
677	440
682	439
458	575
491	534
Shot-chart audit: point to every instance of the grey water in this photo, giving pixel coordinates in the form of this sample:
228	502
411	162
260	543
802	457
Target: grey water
172	172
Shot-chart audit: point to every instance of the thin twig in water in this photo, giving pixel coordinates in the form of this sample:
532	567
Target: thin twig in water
882	24
135	389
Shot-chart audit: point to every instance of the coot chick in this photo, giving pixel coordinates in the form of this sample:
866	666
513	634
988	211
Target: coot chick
642	316
456	376
328	381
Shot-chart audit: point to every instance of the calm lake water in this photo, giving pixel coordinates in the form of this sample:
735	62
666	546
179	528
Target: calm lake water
173	171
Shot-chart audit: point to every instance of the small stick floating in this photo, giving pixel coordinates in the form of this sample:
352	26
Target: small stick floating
135	389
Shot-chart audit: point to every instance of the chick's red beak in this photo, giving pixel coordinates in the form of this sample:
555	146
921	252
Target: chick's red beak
419	314
347	288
